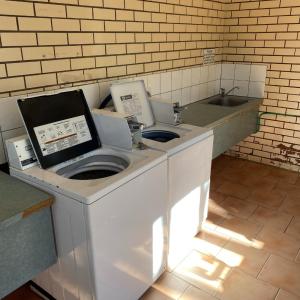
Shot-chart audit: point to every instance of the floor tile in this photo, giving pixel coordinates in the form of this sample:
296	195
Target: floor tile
297	183
170	285
279	243
291	205
283	176
234	175
294	228
239	229
225	161
153	294
215	217
282	273
215	197
294	192
248	258
216	213
234	189
193	293
271	218
284	295
209	242
240	286
259	170
252	230
237	207
291	189
203	271
215	182
260	183
271	199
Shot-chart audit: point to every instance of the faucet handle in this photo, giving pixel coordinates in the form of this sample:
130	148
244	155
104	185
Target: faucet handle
177	112
134	125
178	109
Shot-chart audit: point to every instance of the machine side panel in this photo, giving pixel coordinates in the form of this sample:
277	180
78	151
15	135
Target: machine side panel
70	277
189	173
127	236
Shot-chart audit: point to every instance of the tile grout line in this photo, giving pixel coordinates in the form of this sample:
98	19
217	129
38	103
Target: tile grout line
284	231
182	293
260	271
277	294
270	254
298	254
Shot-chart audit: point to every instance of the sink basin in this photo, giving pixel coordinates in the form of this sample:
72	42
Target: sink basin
227	101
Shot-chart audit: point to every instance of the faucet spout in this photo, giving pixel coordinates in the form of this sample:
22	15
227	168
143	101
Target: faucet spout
228	92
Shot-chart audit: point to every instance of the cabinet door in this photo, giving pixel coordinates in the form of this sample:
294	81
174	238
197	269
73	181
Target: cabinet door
249	124
189	173
126	230
233	131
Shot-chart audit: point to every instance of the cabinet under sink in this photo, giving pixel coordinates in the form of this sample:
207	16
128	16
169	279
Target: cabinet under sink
232	119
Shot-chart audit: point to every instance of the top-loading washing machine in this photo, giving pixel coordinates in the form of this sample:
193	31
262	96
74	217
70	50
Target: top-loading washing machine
189	150
109	213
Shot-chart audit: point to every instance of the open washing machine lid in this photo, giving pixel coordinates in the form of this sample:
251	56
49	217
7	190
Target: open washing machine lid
60	126
131	98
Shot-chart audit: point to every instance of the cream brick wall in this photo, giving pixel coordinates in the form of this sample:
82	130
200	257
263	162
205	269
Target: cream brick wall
49	44
268	32
52	43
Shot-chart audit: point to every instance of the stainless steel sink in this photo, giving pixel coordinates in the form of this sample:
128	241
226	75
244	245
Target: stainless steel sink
227	100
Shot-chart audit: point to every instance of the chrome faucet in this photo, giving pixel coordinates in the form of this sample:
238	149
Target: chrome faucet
224	94
177	112
136	129
134	125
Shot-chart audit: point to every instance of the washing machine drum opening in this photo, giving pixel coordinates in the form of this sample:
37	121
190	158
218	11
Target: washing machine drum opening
99	166
161	136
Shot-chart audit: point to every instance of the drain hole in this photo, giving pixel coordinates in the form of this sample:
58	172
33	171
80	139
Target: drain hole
161	136
93	174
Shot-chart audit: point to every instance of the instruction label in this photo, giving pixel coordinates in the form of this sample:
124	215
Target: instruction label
60	135
208	56
131	104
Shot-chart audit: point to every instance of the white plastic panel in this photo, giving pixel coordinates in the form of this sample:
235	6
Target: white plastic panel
189	173
70	277
126	231
131	98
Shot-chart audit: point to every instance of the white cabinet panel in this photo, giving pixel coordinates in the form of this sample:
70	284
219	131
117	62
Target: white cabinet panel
189	173
126	232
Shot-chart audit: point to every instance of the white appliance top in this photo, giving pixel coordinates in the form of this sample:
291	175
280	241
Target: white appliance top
189	135
131	98
89	191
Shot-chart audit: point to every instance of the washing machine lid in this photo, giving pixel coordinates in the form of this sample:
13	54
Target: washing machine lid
60	126
131	98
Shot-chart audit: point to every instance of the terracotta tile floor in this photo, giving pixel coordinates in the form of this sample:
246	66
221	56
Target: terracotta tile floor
249	246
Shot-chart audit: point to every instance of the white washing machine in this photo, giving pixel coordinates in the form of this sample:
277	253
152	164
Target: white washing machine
110	204
189	150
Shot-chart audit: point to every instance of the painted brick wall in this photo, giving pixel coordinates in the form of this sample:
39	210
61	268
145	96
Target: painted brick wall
47	44
268	32
50	44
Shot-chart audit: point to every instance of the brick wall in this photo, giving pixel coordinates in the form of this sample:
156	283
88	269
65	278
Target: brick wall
47	44
268	32
50	44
